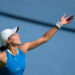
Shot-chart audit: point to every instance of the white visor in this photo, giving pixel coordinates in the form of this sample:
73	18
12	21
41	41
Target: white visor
5	34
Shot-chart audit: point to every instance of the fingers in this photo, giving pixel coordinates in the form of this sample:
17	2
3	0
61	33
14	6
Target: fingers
70	18
69	21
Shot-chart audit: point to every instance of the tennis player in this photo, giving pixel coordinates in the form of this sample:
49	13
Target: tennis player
12	55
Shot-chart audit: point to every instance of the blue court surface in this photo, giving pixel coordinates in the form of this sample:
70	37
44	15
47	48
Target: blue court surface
35	17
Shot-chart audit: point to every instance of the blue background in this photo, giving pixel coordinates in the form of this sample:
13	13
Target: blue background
55	57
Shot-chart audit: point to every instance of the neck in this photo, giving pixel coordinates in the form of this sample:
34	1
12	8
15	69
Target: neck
13	49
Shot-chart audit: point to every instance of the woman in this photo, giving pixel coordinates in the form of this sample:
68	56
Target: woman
12	58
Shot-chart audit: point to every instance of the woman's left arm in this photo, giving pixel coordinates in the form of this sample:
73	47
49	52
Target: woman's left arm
47	36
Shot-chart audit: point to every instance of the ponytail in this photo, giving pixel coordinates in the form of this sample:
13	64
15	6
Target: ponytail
2	48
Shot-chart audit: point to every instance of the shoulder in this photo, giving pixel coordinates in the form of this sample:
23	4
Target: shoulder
3	55
24	47
3	58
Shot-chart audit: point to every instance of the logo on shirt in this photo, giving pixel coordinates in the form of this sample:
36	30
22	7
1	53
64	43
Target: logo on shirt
18	69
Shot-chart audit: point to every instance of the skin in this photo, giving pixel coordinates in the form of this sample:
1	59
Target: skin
14	41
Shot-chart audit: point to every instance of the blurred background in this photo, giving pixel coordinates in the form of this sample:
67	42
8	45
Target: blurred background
36	17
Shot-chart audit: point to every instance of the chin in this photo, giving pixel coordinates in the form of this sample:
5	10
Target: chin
18	43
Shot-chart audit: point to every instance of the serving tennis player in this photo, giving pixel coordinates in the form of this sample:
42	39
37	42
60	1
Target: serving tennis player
12	55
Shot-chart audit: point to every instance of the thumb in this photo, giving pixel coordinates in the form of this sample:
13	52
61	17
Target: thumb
64	15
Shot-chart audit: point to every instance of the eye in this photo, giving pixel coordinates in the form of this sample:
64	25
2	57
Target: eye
10	36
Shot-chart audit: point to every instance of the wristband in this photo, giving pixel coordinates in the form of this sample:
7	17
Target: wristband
59	25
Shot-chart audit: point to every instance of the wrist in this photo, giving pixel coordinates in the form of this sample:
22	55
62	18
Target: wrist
59	25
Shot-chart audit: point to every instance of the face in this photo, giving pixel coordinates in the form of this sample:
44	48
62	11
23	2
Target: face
14	39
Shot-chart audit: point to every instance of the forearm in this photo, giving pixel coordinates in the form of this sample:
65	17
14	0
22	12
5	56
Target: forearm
49	34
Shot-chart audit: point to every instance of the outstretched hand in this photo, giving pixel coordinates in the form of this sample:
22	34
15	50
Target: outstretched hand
66	20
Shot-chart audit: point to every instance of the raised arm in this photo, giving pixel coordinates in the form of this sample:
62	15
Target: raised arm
47	36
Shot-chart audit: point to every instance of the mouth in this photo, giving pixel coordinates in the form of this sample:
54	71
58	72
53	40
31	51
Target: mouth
18	39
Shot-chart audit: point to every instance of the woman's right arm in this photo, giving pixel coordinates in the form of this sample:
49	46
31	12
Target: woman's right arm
2	59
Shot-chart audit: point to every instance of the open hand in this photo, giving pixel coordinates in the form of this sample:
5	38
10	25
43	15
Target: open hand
66	20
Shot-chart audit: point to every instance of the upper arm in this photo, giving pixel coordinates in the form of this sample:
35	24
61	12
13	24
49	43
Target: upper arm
2	59
30	45
36	43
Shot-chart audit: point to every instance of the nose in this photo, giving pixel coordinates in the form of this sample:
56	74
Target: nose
17	34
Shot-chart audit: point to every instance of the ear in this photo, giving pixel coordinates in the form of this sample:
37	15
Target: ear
7	41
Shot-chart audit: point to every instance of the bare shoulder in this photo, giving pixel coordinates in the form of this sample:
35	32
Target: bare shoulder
3	58
24	47
3	55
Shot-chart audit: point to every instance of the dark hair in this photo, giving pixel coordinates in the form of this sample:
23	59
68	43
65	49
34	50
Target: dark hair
2	48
